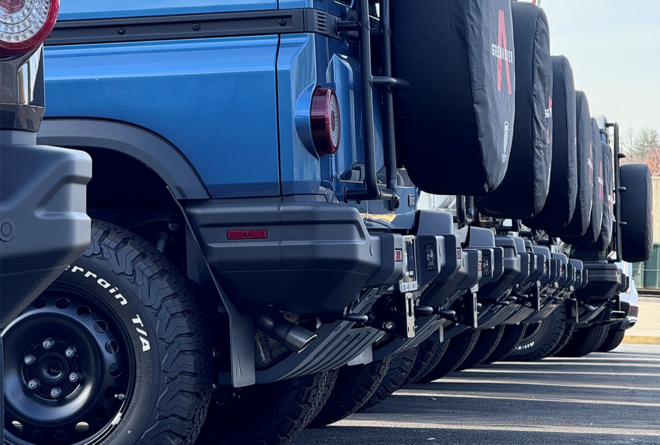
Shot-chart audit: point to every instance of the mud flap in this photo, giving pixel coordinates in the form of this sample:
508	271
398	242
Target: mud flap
468	311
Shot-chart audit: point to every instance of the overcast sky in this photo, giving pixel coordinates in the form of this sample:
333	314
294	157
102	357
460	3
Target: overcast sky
614	49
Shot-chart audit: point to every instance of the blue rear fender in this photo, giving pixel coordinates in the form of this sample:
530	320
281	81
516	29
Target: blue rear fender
214	99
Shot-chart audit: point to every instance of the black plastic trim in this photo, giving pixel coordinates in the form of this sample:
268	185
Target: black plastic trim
194	26
148	148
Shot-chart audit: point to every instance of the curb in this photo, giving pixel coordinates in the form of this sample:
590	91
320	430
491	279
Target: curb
641	340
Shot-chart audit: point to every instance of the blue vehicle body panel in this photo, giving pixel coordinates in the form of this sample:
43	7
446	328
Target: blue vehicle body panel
305	62
237	108
296	68
102	9
214	99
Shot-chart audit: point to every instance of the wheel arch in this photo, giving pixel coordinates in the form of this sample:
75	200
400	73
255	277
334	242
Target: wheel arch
131	141
139	183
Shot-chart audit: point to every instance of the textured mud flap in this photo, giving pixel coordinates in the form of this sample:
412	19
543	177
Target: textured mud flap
468	313
43	221
459	58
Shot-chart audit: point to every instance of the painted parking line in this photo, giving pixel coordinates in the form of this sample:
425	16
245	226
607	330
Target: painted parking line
361	421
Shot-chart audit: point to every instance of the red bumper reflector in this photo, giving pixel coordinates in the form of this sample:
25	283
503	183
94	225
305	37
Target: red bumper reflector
398	255
247	234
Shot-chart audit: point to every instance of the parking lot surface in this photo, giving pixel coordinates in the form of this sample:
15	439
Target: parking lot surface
604	398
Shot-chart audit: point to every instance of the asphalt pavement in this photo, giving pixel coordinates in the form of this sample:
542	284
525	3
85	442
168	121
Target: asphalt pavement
604	398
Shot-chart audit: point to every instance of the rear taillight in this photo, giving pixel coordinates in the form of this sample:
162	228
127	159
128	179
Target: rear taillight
326	126
25	24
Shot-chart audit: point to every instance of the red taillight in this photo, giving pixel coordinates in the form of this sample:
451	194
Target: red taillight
247	234
26	24
326	126
398	255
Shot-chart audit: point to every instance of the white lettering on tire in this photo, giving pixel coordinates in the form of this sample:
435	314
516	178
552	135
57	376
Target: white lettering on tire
146	346
114	291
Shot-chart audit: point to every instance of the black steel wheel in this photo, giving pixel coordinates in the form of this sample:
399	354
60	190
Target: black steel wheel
54	351
115	351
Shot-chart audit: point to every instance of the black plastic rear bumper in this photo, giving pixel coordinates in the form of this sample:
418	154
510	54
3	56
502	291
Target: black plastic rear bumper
313	258
43	221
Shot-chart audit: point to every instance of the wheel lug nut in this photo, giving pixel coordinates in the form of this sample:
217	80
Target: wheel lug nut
33	384
55	393
70	352
74	377
29	359
48	343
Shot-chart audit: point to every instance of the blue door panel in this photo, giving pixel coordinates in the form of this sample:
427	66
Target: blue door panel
103	9
214	99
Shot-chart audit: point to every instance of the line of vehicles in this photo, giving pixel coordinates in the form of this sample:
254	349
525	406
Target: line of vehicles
298	207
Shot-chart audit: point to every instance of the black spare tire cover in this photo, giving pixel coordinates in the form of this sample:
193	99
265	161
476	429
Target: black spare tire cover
608	202
585	172
595	225
599	184
636	212
560	205
454	124
524	190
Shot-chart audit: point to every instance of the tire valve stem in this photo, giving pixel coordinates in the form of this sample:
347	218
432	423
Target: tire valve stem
74	377
120	396
55	393
33	384
48	343
29	359
70	352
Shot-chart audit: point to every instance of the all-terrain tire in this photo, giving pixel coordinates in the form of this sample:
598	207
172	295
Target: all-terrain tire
541	338
146	321
585	341
511	338
271	414
433	362
425	354
486	344
395	377
326	392
354	386
565	338
457	351
613	340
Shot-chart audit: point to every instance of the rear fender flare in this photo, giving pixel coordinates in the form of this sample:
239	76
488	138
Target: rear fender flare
144	146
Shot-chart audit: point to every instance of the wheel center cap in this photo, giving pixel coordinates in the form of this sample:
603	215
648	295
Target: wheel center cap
53	368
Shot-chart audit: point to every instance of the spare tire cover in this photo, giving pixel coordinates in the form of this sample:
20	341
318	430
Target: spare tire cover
585	172
524	190
599	184
608	202
593	230
560	205
454	124
636	212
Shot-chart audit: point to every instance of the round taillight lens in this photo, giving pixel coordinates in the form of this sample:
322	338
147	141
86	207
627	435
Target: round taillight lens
326	126
26	24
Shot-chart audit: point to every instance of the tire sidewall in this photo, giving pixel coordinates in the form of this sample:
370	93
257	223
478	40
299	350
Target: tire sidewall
122	296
